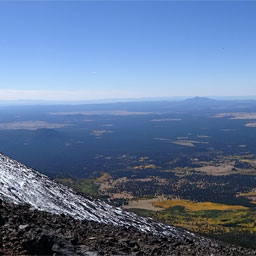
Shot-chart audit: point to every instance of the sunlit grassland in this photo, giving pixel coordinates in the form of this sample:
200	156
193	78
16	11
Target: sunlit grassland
196	206
207	216
230	223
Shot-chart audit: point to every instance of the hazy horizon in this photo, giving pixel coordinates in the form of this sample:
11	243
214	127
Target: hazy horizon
25	102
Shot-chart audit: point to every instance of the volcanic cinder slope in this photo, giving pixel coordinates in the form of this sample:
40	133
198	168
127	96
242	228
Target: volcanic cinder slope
39	216
22	185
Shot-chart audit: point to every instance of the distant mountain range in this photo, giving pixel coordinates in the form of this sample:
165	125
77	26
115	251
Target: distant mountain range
200	99
105	101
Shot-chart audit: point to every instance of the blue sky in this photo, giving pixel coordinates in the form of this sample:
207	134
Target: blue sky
124	49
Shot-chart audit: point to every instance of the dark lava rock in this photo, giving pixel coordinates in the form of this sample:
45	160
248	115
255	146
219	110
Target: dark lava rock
2	221
26	231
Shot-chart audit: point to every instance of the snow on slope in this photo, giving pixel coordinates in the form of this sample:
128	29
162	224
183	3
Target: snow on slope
21	184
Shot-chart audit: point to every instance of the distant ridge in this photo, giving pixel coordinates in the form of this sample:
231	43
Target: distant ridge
201	100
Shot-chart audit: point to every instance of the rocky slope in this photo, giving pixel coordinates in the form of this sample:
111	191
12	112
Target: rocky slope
26	231
20	184
41	217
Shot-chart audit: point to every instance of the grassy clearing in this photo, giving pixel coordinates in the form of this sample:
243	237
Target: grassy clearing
230	223
85	186
103	177
196	206
143	167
